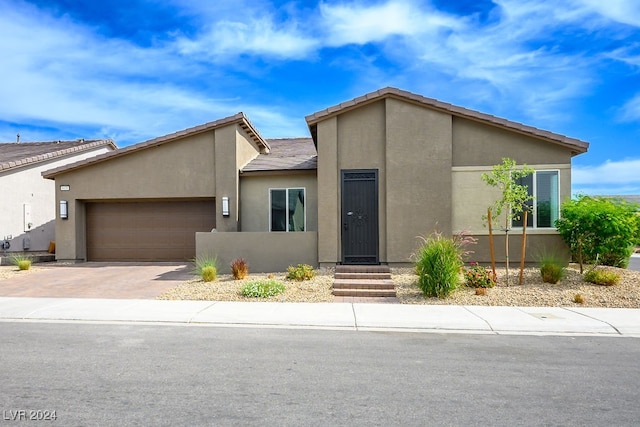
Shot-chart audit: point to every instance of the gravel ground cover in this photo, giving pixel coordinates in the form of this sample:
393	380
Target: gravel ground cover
534	292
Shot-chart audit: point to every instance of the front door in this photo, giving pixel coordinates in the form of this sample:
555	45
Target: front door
360	216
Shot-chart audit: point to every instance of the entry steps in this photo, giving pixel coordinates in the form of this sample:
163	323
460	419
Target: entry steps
363	281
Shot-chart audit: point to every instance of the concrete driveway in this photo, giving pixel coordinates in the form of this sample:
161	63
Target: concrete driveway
97	280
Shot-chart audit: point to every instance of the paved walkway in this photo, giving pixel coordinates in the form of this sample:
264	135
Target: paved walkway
345	316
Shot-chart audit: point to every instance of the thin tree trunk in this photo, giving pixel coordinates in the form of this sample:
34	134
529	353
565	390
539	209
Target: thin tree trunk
524	248
491	246
506	243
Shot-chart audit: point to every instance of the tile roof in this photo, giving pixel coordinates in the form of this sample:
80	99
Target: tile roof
239	119
19	154
287	154
576	145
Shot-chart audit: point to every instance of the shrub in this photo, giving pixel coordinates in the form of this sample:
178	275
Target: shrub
22	262
438	264
239	268
578	299
300	272
552	268
478	277
262	288
599	227
602	277
209	273
206	263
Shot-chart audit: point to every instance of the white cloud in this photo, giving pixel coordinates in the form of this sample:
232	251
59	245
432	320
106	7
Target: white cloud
630	111
623	11
610	177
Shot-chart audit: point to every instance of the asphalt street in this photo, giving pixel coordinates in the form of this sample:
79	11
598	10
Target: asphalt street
125	375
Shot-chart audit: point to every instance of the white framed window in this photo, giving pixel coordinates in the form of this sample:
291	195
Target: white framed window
287	210
544	209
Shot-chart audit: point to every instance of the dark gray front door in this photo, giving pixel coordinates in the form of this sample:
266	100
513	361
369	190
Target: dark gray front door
360	216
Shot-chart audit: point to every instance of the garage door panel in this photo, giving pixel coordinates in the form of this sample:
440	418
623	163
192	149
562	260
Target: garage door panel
146	231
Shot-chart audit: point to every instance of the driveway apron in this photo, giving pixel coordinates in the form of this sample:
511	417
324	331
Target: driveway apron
97	280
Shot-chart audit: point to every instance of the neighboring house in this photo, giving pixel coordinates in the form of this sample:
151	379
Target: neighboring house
378	171
28	211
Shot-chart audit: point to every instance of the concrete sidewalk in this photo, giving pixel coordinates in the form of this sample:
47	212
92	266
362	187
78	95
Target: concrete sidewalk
346	316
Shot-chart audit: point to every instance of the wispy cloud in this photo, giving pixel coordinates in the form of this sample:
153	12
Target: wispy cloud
610	177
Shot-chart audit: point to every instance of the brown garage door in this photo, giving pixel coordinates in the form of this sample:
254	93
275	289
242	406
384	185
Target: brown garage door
146	231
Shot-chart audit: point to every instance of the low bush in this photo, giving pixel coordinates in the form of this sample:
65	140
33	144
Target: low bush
206	266
263	288
438	264
552	268
602	277
22	262
478	277
300	272
578	299
239	268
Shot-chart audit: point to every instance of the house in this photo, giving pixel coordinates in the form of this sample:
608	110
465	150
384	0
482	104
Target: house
27	215
377	172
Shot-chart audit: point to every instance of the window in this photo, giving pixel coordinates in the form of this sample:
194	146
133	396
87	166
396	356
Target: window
544	209
287	209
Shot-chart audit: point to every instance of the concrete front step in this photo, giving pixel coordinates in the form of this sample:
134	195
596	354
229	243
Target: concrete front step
363	269
362	284
386	293
368	276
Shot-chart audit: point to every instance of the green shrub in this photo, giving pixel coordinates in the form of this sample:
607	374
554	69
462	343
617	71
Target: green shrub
552	268
300	272
262	288
597	227
602	277
478	277
438	264
239	268
22	262
209	273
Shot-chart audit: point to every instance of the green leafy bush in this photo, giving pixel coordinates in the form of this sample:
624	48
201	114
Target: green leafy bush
439	262
597	227
239	268
552	268
262	288
602	277
206	266
300	272
478	277
22	262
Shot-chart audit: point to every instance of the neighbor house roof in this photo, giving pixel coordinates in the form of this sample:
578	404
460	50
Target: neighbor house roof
19	154
239	119
576	145
286	154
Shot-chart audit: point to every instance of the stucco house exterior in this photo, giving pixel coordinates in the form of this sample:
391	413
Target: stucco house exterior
377	172
28	211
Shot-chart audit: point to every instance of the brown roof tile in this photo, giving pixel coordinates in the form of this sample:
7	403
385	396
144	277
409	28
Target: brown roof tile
17	154
239	118
576	145
287	154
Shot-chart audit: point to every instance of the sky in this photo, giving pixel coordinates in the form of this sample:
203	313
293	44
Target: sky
137	69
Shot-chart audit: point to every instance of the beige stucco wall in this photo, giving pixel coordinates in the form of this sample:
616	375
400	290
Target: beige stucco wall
26	186
201	165
265	252
254	198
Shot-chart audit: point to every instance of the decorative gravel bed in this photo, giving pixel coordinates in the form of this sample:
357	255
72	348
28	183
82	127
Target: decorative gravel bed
534	292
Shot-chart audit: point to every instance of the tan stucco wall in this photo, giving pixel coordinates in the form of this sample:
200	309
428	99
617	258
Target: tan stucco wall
478	144
328	192
265	252
201	165
26	186
254	198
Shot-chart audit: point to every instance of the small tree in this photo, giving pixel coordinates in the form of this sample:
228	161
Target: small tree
514	196
599	228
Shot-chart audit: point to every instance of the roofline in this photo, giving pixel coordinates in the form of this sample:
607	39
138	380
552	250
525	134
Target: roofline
238	118
55	154
576	145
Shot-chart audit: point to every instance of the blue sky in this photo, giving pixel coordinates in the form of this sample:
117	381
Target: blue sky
133	70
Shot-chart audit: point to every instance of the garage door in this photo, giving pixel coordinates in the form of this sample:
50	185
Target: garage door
146	231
